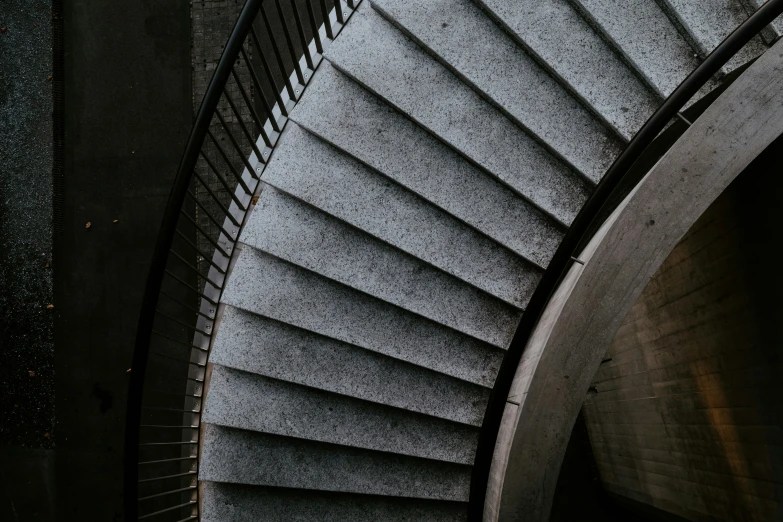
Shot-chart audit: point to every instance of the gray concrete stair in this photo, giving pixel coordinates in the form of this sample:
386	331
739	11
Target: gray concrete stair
299	233
268	286
710	21
461	36
266	347
421	186
344	188
416	84
255	403
646	37
225	502
246	457
563	41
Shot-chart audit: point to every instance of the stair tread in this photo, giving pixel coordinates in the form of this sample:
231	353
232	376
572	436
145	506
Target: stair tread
563	40
260	345
420	87
274	288
251	402
287	228
462	36
647	37
309	169
245	457
710	21
242	503
380	137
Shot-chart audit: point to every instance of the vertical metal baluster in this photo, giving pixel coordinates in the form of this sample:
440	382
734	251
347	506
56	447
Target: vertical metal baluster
316	35
289	43
246	132
338	10
261	93
276	50
300	30
268	72
234	142
256	117
327	21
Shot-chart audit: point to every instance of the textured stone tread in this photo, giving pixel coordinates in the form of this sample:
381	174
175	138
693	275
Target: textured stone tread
349	117
460	35
309	169
267	286
419	86
287	228
246	457
555	33
251	402
643	33
260	345
710	21
240	503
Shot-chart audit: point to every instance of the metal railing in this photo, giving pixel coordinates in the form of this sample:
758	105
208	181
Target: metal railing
607	195
266	64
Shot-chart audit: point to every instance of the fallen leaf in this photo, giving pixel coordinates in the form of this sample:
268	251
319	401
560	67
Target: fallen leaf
3	29
49	306
49	78
47	435
31	373
255	199
88	225
116	220
128	370
47	265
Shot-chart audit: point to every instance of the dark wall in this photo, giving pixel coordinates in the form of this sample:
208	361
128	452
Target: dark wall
685	412
128	115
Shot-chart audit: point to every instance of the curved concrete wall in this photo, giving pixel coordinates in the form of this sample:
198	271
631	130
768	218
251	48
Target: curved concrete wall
582	318
684	411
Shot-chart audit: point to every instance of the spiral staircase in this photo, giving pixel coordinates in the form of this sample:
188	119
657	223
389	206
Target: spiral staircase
418	192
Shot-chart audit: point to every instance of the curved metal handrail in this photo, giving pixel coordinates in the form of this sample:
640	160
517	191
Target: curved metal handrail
582	229
323	21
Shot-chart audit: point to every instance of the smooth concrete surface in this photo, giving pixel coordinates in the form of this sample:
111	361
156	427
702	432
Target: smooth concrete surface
684	411
572	338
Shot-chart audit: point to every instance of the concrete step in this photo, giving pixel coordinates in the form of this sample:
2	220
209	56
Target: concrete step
260	345
246	457
647	38
268	286
292	230
309	169
708	22
240	503
250	402
464	39
564	42
424	90
383	139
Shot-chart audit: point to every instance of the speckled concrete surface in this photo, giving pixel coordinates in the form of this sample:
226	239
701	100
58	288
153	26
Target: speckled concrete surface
648	39
476	49
276	289
251	402
320	175
556	33
236	503
377	135
26	155
236	456
710	21
381	58
267	347
299	233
